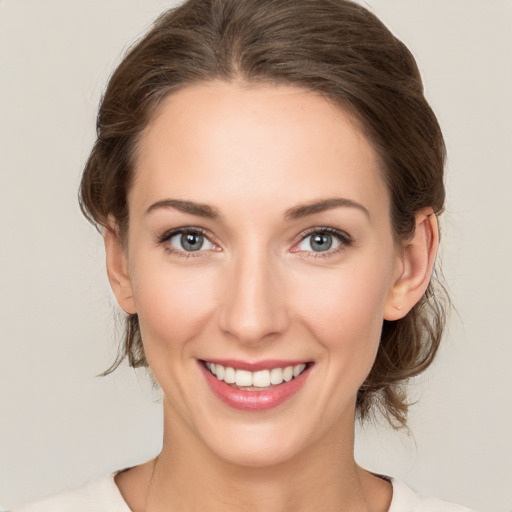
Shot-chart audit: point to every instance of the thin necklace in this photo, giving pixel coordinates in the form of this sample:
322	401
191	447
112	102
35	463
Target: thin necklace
150	484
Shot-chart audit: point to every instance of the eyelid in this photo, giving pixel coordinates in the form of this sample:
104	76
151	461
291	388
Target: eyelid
170	233
343	237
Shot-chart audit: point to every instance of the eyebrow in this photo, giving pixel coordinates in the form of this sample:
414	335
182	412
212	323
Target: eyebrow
201	210
297	212
302	210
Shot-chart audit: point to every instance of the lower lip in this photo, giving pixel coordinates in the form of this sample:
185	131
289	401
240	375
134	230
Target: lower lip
254	400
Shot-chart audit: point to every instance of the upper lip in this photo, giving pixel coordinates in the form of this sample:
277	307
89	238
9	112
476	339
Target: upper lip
266	364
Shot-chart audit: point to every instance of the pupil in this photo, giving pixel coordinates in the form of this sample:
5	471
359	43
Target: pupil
321	242
191	241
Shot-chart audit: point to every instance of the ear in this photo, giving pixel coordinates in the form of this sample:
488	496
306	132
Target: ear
417	261
117	269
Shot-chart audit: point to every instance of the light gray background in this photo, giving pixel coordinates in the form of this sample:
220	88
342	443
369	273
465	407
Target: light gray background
60	426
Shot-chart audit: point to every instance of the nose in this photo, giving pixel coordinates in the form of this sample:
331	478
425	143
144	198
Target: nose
253	306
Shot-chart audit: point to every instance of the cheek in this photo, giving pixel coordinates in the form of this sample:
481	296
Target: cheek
345	307
173	304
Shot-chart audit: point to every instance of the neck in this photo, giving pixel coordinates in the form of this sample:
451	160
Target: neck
187	475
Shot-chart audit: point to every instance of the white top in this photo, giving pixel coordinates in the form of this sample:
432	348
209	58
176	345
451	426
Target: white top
103	496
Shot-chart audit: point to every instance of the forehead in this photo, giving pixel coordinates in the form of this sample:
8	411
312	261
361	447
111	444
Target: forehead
221	141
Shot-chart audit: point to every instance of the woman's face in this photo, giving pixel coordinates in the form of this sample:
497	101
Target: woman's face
259	239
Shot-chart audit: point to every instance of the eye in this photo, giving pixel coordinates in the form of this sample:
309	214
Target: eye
322	240
187	240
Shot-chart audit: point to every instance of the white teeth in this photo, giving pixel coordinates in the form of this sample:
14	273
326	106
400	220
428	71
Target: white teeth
259	379
298	369
243	378
229	375
288	373
276	376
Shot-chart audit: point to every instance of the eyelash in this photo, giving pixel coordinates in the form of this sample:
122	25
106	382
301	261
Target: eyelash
343	238
168	235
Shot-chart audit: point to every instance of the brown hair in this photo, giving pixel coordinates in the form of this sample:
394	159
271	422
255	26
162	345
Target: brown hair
335	48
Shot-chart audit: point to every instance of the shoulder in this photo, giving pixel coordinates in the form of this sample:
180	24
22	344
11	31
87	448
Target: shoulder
101	495
406	500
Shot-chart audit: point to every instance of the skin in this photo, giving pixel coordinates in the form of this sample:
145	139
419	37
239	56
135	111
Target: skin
257	290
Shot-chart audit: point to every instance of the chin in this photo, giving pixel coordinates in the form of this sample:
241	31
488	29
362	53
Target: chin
270	440
256	450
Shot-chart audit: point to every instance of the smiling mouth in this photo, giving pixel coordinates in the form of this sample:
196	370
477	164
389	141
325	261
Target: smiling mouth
255	381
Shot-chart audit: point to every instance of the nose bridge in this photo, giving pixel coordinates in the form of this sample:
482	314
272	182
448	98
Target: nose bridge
253	306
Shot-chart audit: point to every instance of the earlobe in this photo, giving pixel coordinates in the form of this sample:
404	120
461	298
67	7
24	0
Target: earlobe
417	257
117	270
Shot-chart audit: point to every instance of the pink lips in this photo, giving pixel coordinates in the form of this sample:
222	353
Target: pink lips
254	400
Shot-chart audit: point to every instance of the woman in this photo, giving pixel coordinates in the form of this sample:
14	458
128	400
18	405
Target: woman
267	178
